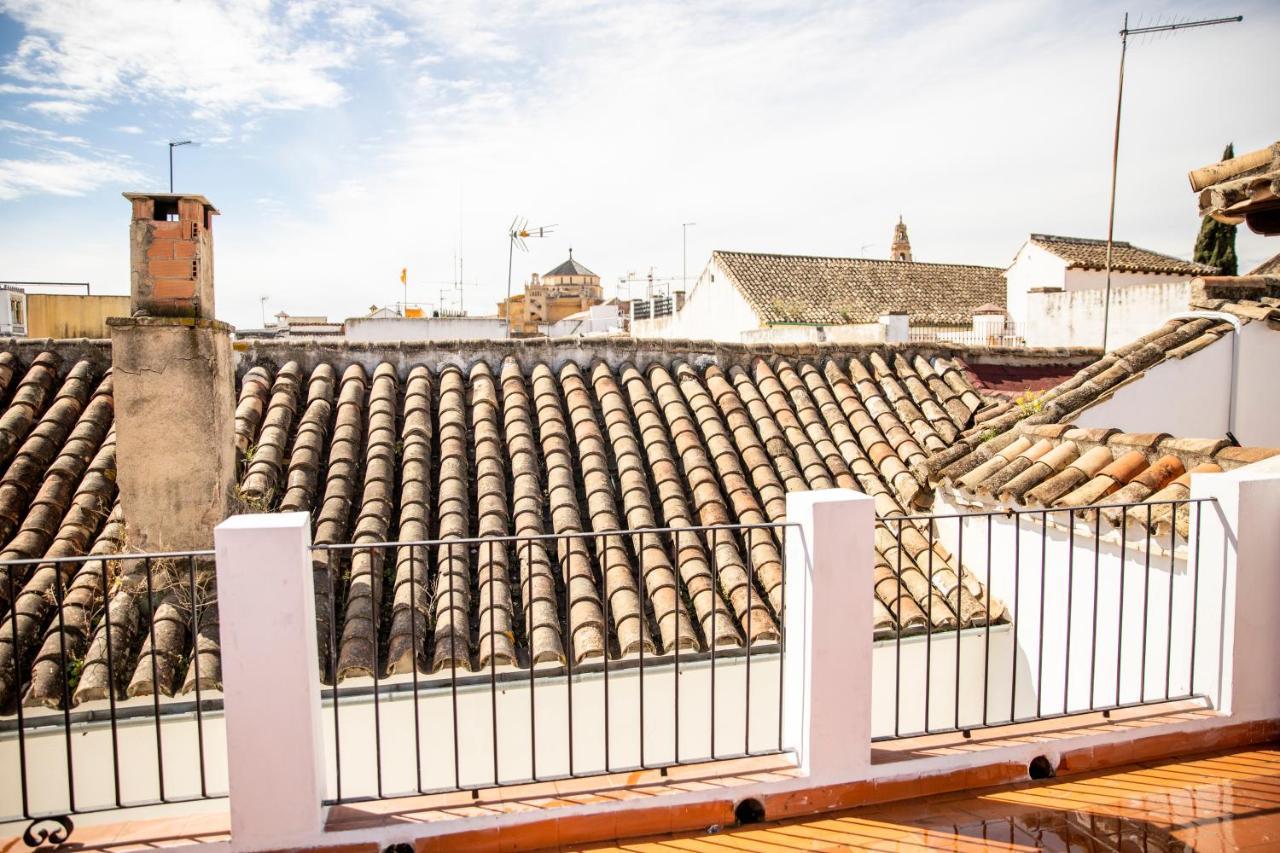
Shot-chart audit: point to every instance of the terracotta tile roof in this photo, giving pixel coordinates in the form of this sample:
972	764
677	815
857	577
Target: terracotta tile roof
1248	298
575	445
1062	466
1088	254
1243	189
1028	453
836	291
1271	266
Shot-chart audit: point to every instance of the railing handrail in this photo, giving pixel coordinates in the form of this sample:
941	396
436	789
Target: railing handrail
1005	512
85	558
570	534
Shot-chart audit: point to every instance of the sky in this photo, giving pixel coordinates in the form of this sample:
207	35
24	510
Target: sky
343	141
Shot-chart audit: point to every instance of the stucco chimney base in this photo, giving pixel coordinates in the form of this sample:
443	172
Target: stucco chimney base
174	388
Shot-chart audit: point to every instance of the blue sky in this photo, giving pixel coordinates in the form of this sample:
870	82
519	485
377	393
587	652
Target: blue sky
343	141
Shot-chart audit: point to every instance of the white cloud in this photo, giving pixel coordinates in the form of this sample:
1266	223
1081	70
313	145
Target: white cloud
131	129
68	111
776	126
61	174
27	135
219	56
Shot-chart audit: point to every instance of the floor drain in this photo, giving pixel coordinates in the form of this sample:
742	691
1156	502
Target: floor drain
749	811
1041	768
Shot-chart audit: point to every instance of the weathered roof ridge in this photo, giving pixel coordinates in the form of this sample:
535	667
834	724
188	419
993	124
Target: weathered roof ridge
1090	253
884	261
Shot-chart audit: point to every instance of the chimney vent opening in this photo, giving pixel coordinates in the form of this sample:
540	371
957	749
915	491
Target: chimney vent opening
166	210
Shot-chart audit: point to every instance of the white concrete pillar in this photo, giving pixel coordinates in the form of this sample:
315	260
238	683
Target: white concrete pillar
827	676
896	327
271	684
1239	558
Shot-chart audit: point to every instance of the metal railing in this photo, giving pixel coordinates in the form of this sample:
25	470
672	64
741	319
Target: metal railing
1010	335
78	735
1078	618
469	723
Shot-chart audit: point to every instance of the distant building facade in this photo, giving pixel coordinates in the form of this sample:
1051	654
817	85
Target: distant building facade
761	297
1055	289
568	289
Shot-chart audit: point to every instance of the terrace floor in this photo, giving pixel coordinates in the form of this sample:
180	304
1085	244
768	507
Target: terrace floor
1218	801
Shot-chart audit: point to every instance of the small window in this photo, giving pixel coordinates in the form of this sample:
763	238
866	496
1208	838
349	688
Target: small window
166	210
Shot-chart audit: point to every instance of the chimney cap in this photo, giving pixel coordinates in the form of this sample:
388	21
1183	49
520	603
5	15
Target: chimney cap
173	197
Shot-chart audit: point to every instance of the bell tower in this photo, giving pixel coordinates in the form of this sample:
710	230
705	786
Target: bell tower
901	248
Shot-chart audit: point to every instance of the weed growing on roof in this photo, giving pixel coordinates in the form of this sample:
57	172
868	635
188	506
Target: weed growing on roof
987	435
1030	402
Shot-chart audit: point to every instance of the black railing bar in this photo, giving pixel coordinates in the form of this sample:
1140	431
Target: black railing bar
986	654
88	558
527	593
897	636
1054	716
17	658
928	627
1168	631
111	685
493	657
152	607
1195	604
782	639
59	601
1010	511
609	627
413	663
453	663
527	537
1044	564
195	663
1124	524
746	701
1146	601
375	591
959	618
560	777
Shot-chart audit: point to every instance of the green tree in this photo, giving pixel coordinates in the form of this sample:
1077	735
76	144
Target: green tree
1216	244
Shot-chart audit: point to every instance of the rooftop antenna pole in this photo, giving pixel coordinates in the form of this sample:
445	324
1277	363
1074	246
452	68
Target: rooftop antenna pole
1115	145
263	302
516	235
172	145
684	252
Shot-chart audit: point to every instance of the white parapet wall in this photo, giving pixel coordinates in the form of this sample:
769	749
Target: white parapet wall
1074	317
1097	621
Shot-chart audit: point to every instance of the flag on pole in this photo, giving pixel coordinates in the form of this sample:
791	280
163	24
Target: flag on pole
404	275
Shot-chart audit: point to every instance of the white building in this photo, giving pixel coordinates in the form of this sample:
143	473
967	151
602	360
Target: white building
13	311
760	297
1055	289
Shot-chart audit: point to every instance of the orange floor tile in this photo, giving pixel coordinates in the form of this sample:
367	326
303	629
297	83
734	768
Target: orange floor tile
1222	801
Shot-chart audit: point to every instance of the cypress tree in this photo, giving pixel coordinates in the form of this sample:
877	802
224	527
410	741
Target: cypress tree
1216	244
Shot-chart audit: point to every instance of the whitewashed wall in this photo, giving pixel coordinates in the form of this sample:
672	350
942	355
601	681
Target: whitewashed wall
1075	317
1190	396
391	329
1036	267
1072	631
713	310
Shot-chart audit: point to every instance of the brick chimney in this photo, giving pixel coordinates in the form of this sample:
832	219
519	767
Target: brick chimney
171	255
173	380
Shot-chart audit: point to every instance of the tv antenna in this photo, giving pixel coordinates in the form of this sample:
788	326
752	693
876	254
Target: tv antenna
520	231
